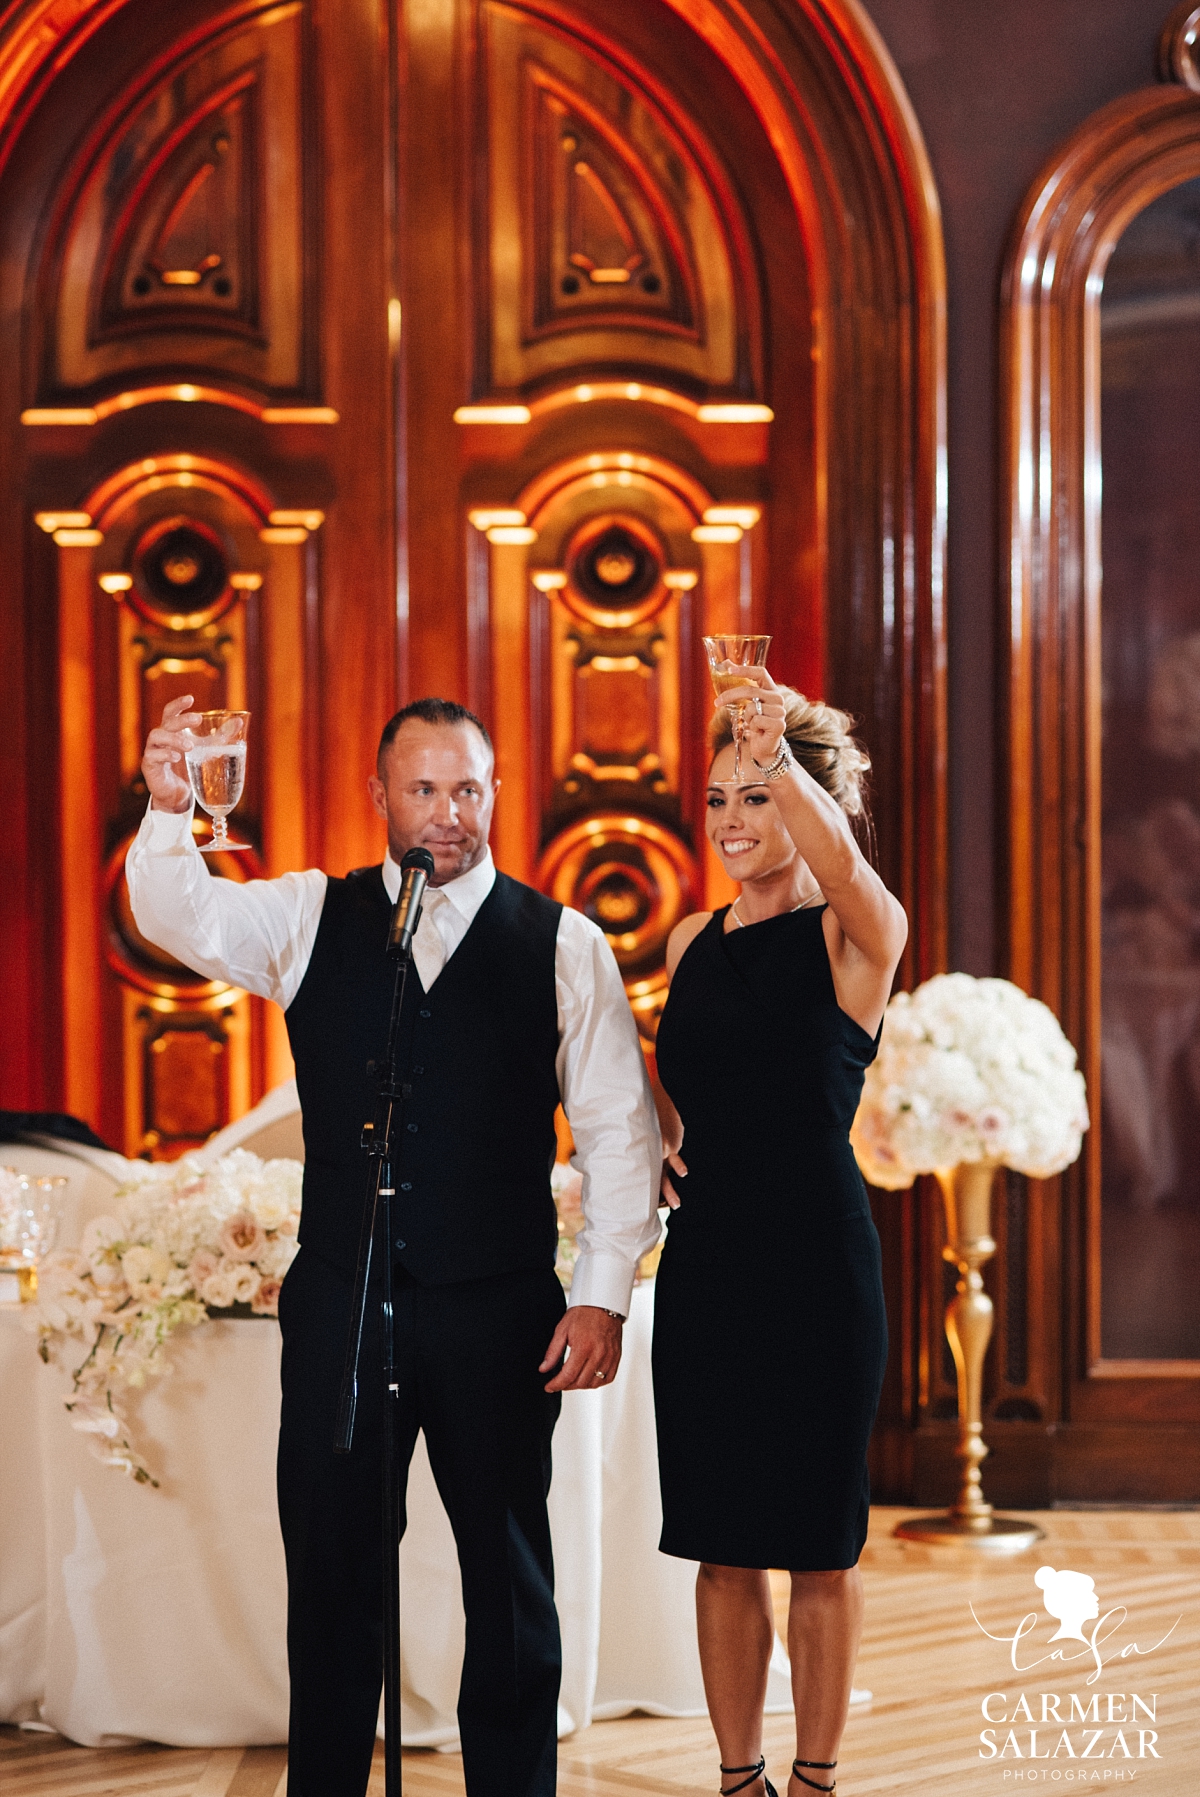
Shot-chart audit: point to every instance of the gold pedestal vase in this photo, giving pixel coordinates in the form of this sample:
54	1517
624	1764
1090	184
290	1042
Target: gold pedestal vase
971	1522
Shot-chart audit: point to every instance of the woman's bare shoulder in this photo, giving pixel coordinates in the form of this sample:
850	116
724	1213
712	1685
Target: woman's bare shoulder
682	935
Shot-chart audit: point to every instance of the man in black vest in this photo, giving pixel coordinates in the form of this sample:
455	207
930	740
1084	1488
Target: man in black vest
513	1002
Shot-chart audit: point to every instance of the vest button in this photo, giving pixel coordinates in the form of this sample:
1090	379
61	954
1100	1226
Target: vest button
401	1246
412	1129
406	1185
418	1069
426	1013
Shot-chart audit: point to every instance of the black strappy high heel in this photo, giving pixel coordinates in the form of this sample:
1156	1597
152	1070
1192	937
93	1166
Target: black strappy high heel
817	1766
759	1771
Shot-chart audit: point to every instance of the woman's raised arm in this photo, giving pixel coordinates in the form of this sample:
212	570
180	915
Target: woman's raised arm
868	926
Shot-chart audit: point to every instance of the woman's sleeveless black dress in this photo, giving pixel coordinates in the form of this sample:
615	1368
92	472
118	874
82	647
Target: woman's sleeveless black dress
769	1333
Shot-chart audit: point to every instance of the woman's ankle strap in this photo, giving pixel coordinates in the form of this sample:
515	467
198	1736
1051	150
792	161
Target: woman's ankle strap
816	1766
754	1771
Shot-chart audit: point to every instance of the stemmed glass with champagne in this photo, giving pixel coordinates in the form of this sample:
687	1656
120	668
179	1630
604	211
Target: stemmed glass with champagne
215	755
728	656
29	1217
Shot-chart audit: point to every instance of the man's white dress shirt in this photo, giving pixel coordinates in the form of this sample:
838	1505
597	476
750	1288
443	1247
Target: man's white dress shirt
260	936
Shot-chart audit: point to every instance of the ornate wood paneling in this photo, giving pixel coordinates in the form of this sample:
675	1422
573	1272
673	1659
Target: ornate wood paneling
820	82
176	323
185	244
1122	159
850	291
179	234
613	237
599	681
165	582
1179	46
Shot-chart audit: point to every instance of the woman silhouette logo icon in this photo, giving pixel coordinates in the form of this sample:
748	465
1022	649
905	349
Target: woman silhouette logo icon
1070	1597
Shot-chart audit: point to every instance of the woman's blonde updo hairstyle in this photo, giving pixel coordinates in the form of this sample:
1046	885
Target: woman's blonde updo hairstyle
819	737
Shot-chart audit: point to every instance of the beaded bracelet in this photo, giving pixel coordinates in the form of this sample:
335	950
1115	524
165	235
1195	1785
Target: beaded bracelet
782	764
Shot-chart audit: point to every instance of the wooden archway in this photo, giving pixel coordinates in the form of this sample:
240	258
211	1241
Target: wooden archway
1121	160
837	116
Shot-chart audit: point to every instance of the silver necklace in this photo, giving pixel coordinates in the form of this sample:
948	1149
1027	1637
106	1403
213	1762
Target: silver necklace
802	906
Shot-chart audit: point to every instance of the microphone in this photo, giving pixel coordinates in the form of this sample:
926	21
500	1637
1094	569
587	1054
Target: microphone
417	868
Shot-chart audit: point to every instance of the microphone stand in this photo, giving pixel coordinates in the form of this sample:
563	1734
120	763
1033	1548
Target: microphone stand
379	1140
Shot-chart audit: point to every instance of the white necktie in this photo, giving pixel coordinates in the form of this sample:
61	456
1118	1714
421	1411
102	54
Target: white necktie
431	950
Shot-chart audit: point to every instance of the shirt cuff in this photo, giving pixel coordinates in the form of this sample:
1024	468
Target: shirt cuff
165	830
605	1280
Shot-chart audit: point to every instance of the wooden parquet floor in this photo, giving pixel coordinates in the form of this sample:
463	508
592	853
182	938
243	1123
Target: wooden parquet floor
925	1657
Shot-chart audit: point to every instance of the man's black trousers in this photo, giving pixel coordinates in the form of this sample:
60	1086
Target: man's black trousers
468	1369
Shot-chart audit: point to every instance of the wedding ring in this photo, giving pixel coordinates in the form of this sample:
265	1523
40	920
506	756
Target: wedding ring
758	706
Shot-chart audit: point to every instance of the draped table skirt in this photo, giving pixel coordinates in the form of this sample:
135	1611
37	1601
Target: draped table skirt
133	1614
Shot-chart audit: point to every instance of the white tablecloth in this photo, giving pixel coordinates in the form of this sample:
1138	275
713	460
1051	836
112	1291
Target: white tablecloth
132	1613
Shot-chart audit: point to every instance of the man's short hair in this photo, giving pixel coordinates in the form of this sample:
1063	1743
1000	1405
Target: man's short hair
431	711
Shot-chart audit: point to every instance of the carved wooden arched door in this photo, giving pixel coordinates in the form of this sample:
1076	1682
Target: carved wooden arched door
1102	614
493	350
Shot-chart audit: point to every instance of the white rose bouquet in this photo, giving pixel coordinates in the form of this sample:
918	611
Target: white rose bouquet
969	1070
185	1242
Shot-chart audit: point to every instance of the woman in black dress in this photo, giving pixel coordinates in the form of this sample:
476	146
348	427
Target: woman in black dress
770	1337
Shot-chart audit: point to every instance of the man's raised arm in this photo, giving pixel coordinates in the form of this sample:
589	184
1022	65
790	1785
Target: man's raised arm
258	936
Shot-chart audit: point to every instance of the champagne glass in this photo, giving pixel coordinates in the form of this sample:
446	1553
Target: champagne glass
215	753
12	1194
36	1230
727	656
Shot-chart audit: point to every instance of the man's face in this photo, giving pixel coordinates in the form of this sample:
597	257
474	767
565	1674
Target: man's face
436	789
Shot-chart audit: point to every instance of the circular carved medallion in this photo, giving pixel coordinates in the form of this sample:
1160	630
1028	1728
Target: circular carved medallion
180	574
633	878
614	572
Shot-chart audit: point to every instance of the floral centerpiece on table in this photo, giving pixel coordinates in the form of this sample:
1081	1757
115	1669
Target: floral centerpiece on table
969	1070
184	1243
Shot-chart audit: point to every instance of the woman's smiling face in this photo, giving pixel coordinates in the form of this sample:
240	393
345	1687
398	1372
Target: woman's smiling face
744	825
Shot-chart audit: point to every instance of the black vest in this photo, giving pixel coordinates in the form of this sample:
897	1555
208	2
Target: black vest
477	1137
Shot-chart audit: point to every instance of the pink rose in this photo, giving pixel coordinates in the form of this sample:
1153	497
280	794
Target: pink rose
265	1302
242	1237
204	1264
